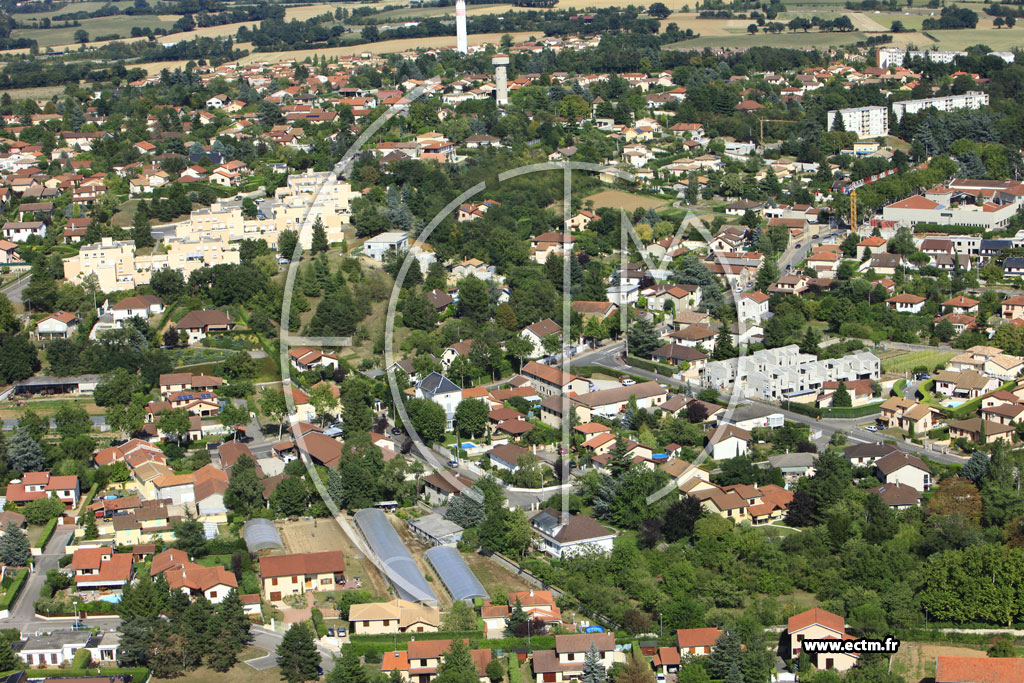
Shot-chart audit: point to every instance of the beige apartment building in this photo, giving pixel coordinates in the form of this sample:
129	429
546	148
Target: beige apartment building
117	266
225	220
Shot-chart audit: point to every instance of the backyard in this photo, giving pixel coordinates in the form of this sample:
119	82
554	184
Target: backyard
905	361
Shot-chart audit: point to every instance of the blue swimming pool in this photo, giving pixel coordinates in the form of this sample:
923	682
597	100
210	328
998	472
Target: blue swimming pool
467	445
113	599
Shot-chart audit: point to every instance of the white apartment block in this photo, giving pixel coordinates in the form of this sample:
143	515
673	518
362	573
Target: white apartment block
785	373
225	221
969	100
118	267
891	56
866	122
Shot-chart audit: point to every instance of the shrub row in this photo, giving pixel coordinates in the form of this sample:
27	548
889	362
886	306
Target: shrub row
653	366
139	674
47	533
13	589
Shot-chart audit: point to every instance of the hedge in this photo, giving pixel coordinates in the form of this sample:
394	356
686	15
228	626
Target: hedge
47	533
13	589
139	674
370	644
968	409
653	366
87	499
949	229
939	434
853	411
588	370
514	673
802	408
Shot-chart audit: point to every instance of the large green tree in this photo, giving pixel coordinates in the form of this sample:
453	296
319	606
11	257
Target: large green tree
297	656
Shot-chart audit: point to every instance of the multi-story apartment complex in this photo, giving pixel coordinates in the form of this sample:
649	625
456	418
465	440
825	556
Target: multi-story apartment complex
987	204
968	100
785	373
117	265
866	122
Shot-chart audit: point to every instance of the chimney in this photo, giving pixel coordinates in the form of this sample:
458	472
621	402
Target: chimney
531	592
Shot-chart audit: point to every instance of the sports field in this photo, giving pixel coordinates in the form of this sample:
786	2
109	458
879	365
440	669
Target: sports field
617	199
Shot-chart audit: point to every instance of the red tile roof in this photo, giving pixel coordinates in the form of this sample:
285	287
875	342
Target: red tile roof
979	670
798	622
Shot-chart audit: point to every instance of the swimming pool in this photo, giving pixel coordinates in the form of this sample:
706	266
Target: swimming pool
467	445
113	599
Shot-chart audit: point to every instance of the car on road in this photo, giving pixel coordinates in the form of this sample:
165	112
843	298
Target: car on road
922	376
627	381
872	428
453	463
798	246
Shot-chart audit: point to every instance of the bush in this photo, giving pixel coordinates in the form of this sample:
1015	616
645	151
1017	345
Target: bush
82	659
138	675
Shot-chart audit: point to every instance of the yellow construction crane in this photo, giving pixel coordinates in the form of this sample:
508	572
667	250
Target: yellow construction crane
852	188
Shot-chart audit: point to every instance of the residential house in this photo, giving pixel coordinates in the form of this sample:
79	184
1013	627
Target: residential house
550	381
819	624
696	642
900	468
198	324
906	303
949	669
101	569
59	325
394	616
36	485
560	535
976	430
897	496
442	391
536	333
284	575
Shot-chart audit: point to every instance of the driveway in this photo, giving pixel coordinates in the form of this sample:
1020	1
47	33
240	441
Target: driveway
23	612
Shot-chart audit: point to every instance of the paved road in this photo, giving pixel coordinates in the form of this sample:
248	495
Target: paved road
23	614
14	290
608	357
269	640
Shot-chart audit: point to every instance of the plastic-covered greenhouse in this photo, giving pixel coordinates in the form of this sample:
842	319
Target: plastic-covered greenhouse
261	534
456	575
394	558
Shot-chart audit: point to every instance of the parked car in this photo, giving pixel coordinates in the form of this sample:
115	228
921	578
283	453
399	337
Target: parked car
627	381
872	428
330	632
453	463
342	633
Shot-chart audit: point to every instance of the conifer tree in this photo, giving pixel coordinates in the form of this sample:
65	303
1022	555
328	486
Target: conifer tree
15	550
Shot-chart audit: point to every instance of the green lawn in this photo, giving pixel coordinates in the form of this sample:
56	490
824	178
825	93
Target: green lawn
995	38
906	362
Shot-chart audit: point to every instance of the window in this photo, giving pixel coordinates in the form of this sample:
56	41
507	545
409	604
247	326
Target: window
273	582
571	657
387	622
213	594
366	623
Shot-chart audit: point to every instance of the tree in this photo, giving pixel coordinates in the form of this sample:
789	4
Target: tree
659	10
19	358
319	240
287	240
767	274
231	633
90	532
189	535
474	301
519	347
465	511
348	669
244	493
42	510
636	671
976	467
841	397
642	339
15	549
495	671
174	423
1002	647
324	402
71	421
726	654
471	417
24	454
460	617
290	497
810	342
275	406
593	669
81	36
457	665
8	660
297	655
428	419
724	347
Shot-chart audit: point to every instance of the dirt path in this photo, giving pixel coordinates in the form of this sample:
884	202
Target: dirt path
416	549
863	22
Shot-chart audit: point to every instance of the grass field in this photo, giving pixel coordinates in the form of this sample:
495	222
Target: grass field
905	362
41	93
916	661
494	578
617	199
241	673
995	38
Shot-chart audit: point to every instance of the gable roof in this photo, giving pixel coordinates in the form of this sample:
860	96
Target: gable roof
325	562
831	621
979	669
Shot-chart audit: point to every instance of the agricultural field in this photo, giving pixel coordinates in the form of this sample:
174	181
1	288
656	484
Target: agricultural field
906	361
65	36
784	40
916	661
618	199
994	38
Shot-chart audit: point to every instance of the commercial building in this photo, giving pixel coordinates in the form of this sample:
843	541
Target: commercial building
866	122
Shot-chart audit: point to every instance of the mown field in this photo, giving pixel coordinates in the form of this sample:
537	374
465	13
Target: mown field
60	35
907	361
617	199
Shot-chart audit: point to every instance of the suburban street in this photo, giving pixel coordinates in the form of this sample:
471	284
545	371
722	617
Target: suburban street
608	357
23	615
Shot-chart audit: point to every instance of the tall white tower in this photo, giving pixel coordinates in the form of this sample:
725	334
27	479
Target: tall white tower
500	61
460	27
